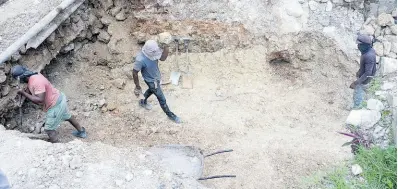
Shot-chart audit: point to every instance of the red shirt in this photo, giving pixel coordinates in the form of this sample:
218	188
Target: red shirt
39	84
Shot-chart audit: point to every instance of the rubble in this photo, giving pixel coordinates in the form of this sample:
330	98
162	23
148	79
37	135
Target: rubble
104	36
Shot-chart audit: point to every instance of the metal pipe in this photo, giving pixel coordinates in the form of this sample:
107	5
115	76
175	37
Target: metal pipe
218	176
34	31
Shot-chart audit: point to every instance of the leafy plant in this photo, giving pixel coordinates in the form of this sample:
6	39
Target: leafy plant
358	139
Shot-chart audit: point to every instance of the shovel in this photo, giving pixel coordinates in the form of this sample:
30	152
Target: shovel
175	76
187	82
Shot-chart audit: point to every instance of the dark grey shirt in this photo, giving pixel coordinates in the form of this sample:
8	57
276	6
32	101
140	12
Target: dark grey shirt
149	68
367	67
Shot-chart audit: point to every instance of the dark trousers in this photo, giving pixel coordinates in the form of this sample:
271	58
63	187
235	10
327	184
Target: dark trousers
157	91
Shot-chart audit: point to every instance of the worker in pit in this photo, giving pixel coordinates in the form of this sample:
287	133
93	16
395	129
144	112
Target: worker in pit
367	68
40	91
147	62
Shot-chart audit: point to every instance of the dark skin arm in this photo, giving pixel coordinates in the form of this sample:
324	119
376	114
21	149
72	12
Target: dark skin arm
165	54
37	99
136	81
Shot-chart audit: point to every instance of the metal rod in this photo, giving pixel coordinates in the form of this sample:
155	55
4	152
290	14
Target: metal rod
217	176
219	152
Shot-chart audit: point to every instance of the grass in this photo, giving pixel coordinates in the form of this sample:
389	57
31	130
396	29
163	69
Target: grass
379	172
379	166
374	85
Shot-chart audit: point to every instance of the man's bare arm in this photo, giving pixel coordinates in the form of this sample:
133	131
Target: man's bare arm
165	54
136	81
37	99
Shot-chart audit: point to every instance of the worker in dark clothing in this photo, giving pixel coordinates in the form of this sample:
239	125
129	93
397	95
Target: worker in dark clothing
367	68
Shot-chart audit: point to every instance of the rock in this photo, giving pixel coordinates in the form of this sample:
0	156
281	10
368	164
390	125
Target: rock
329	6
22	50
377	32
102	88
129	177
5	90
313	5
79	174
387	31
3	76
377	58
374	104
111	106
389	65
295	11
378	47
302	1
104	36
141	38
385	19
51	38
378	132
148	172
386	47
54	186
119	83
106	4
102	103
392	55
31	129
165	38
368	30
2	128
121	16
102	62
118	183
393	29
67	48
106	20
114	11
387	86
356	169
76	162
365	119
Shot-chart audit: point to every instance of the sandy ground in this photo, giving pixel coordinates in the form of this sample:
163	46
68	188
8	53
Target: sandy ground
280	124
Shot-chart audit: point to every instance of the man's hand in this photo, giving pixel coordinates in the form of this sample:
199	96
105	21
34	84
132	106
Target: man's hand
353	84
137	91
21	92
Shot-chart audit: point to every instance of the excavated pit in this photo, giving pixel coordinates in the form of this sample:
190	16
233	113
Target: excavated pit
280	119
270	114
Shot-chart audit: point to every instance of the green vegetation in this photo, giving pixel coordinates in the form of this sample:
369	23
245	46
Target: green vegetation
374	85
379	172
379	166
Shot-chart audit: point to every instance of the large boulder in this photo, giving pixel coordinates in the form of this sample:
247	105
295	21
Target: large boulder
365	119
385	19
389	65
374	104
379	48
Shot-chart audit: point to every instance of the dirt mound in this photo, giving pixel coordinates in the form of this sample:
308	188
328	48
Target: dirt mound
38	164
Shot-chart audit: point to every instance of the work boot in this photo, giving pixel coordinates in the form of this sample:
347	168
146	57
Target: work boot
80	134
145	105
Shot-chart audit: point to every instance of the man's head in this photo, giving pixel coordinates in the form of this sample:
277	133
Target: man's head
21	73
152	50
364	43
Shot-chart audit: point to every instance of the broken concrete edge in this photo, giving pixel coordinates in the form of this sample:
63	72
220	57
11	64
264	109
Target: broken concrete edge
37	59
4	56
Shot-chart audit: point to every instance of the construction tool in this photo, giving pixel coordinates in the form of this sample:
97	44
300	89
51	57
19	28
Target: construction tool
187	82
175	75
20	103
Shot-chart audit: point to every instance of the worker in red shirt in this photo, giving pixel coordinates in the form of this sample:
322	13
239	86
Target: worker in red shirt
40	91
